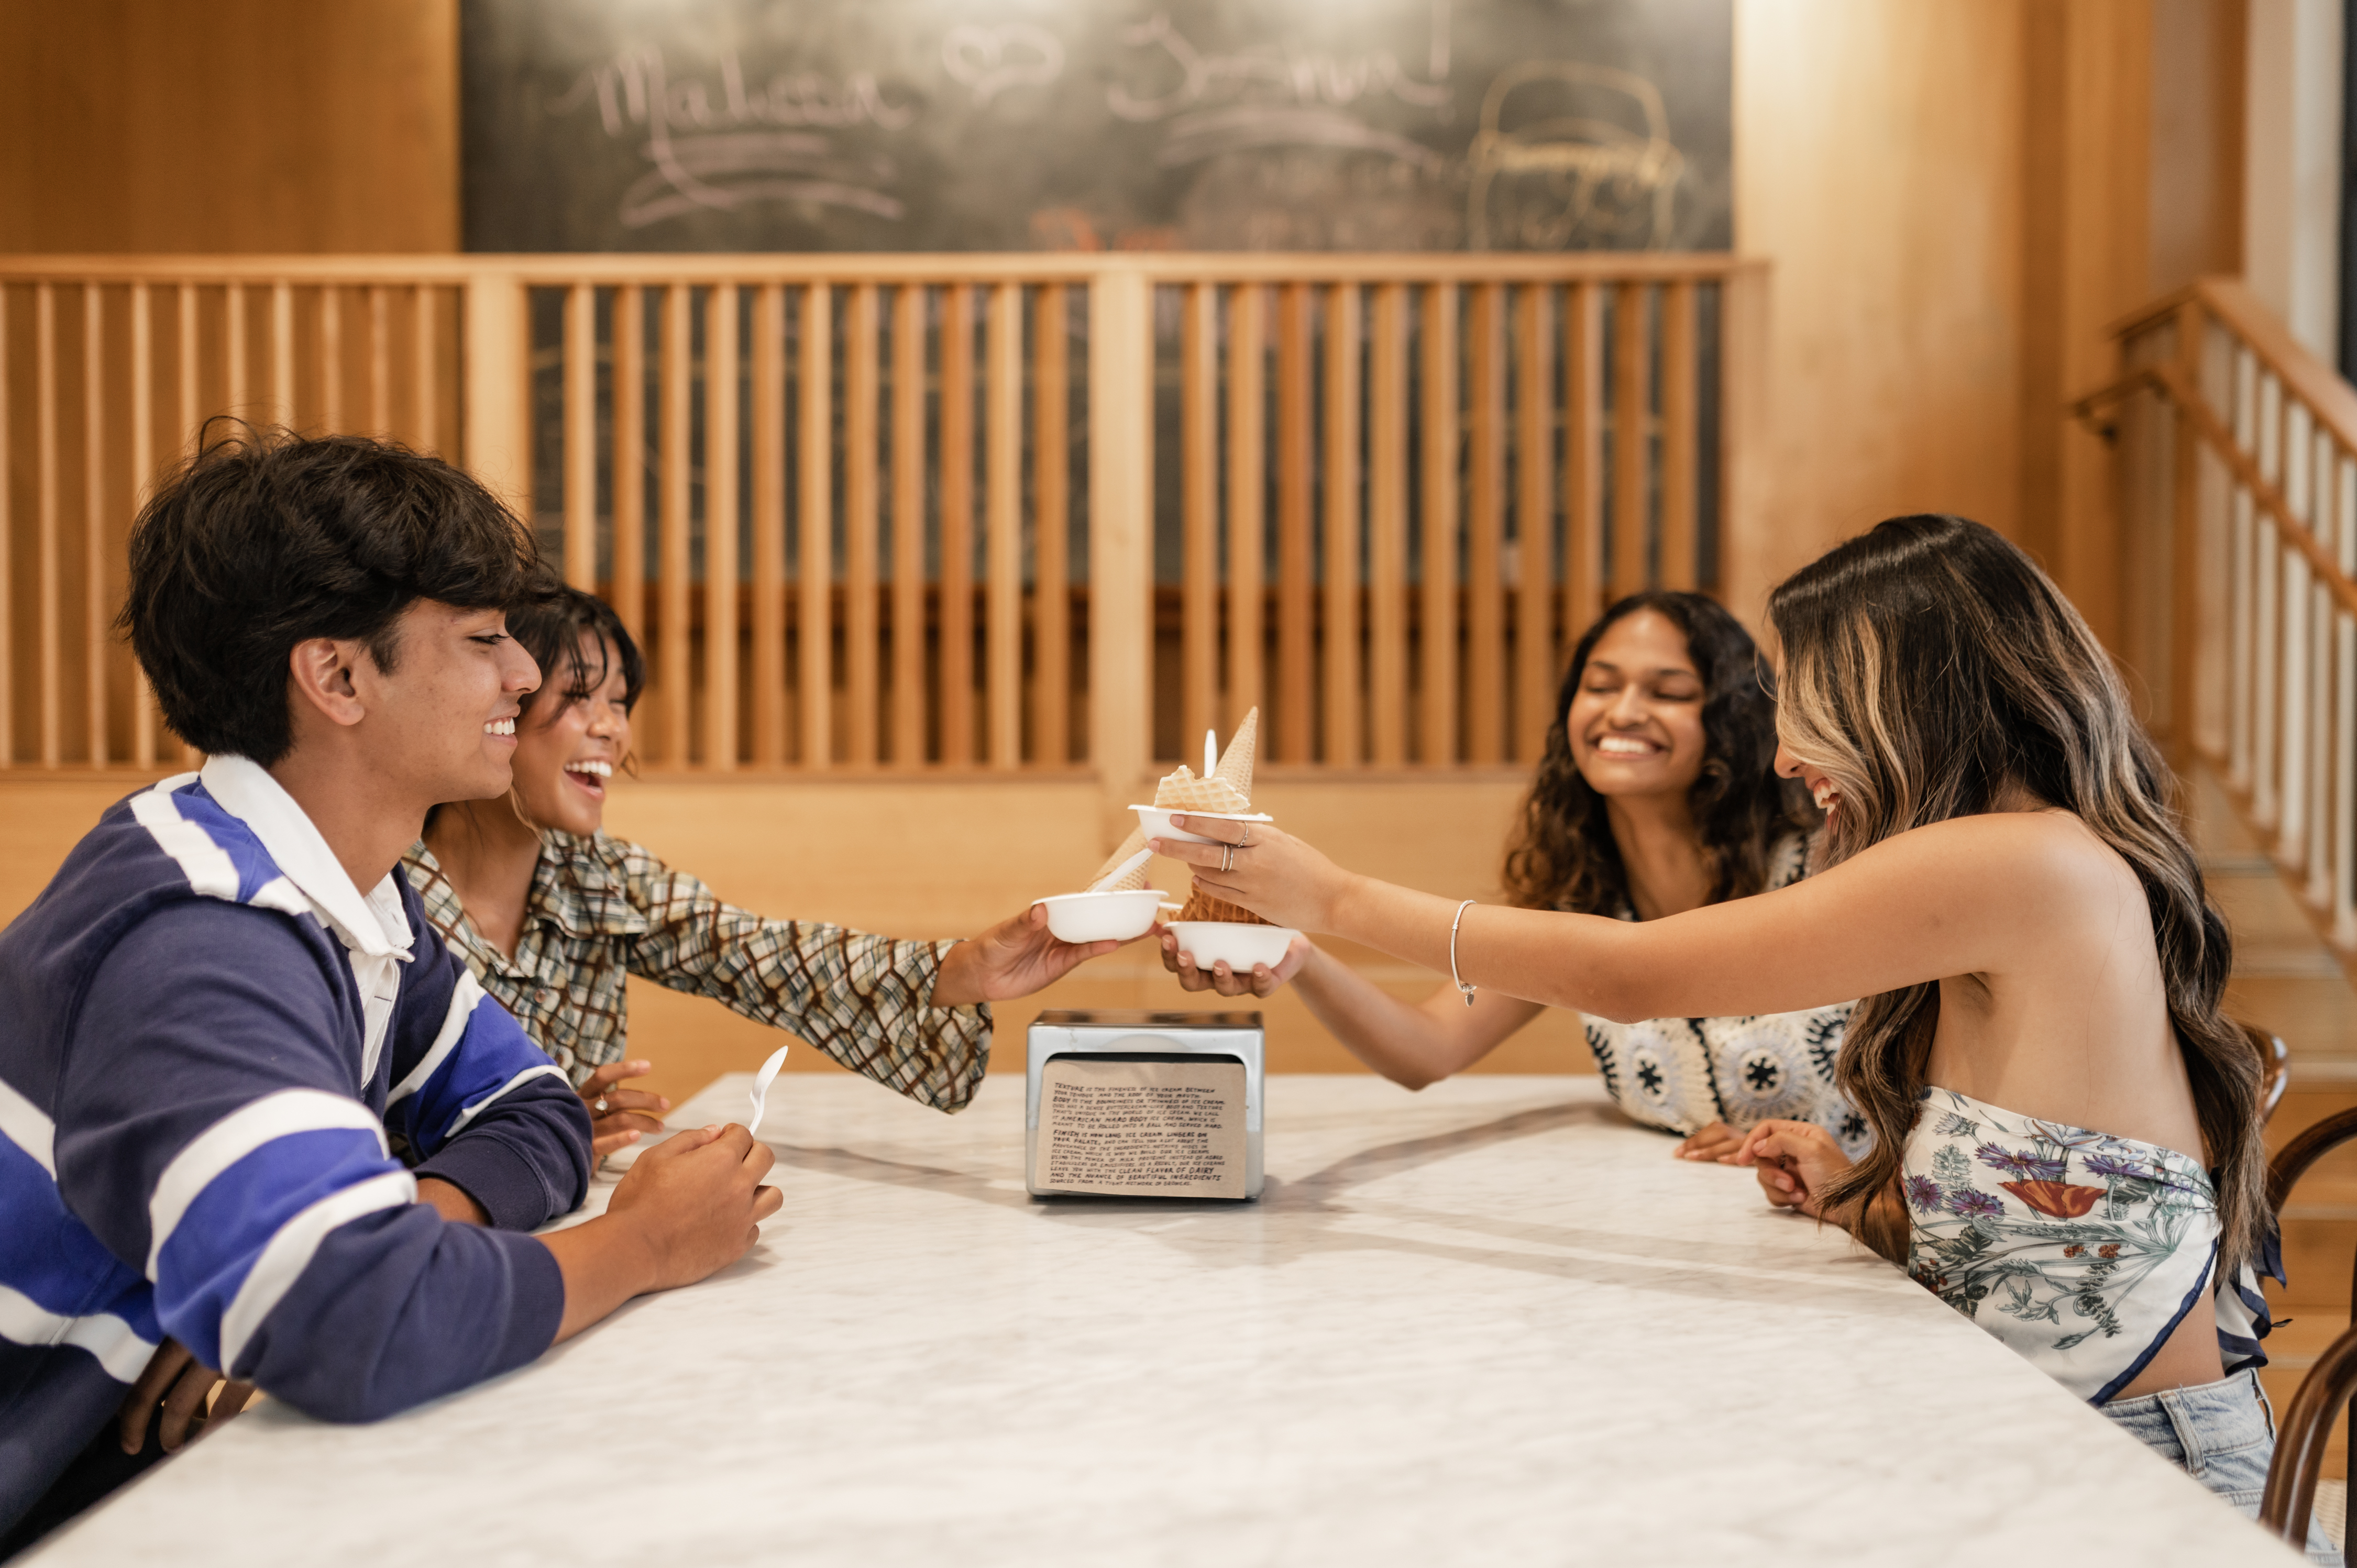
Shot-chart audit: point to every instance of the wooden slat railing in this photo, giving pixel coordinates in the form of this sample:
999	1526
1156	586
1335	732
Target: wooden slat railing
908	512
2238	481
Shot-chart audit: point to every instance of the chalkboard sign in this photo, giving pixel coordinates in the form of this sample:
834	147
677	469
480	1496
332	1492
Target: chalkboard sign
1031	124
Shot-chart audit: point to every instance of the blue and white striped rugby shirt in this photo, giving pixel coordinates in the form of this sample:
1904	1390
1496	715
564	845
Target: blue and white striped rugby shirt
207	1033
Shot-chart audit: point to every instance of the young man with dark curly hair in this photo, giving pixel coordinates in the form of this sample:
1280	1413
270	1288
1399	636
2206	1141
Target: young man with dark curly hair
254	1115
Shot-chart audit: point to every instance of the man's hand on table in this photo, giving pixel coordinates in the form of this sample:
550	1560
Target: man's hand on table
186	1417
689	1206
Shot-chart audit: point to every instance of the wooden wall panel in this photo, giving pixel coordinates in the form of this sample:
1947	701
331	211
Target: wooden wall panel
248	126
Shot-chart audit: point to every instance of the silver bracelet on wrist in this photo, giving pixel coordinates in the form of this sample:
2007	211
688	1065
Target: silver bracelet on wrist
1462	989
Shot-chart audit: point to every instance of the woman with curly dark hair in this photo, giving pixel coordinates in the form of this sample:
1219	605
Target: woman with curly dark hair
1657	794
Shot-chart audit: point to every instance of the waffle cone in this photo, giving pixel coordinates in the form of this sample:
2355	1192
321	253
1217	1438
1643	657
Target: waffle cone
1135	879
1202	905
1236	762
1193	794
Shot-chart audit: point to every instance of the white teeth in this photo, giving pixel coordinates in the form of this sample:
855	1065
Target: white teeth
596	769
1827	796
1623	745
499	726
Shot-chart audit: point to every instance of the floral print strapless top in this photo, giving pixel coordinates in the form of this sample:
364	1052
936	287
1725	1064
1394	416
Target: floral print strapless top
2080	1250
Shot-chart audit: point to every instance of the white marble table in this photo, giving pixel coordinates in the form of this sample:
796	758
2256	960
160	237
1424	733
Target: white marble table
1489	1324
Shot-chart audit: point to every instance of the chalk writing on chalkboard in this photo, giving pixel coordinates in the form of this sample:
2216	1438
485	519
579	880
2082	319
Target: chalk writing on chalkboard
947	124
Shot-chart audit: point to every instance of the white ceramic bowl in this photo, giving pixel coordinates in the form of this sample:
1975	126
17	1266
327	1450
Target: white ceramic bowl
1103	917
1241	944
1156	821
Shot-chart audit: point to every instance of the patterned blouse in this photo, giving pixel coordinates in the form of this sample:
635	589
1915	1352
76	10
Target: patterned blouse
2082	1250
1682	1074
602	909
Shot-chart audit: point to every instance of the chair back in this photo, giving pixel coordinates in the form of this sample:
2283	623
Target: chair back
2305	1430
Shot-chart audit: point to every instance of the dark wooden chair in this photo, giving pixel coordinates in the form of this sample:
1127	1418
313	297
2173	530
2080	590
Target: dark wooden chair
2305	1430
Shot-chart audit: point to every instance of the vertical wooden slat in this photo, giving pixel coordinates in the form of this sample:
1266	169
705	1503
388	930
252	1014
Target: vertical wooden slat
494	362
282	353
380	415
957	524
581	437
1632	569
769	525
815	567
2185	527
1583	458
1294	571
2344	874
1747	551
1198	442
7	553
94	552
1387	526
1439	428
1052	391
190	414
2266	631
1247	498
237	385
721	516
1121	530
1535	637
45	411
1003	516
424	361
859	517
1681	441
1345	738
141	474
674	683
331	357
630	568
1485	654
908	525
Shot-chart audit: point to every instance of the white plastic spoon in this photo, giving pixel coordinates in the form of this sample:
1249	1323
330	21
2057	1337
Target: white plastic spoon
1123	869
762	1088
1210	752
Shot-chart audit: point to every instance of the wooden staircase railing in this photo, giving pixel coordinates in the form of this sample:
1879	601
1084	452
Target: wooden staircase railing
2236	453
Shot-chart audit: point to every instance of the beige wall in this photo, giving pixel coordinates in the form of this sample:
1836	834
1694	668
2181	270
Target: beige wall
1878	164
248	126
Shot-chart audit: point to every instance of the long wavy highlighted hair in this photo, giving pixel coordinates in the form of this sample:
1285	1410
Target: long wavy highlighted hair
1563	854
1930	671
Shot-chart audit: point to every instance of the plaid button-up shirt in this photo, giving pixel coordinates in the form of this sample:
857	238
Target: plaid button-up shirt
602	909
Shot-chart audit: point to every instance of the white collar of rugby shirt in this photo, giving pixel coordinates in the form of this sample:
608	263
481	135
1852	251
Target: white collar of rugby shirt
371	924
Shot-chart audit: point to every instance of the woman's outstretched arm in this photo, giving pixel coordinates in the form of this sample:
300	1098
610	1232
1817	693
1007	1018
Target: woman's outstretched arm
1965	896
1410	1043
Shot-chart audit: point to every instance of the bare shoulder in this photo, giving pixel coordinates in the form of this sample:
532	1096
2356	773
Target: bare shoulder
2033	856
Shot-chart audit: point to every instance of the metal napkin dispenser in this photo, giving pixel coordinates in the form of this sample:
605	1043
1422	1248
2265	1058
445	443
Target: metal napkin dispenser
1144	1104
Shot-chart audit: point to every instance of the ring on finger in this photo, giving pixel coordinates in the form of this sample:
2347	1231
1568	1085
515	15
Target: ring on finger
1227	857
600	1106
1245	842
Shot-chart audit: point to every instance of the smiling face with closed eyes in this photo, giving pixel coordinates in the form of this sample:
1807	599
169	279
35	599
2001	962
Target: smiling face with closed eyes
1635	721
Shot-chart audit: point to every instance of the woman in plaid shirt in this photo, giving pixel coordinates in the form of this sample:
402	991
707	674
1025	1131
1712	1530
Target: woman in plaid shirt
553	917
